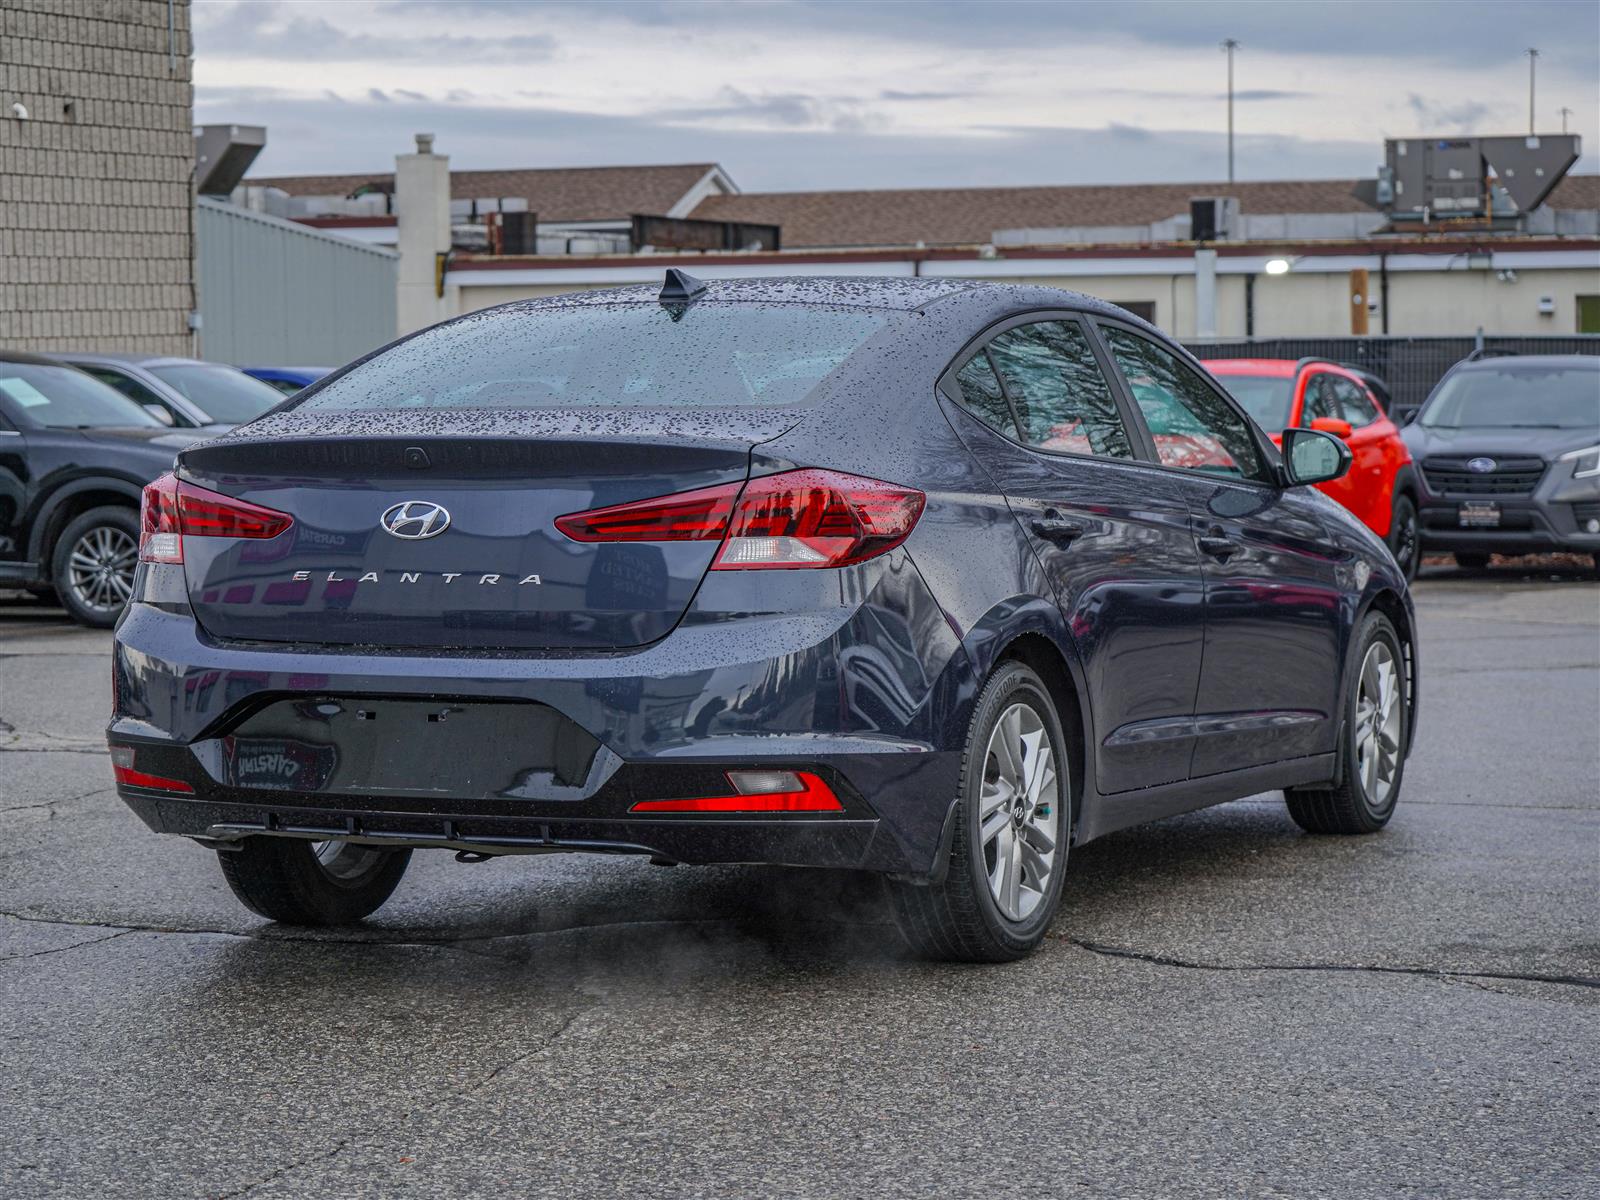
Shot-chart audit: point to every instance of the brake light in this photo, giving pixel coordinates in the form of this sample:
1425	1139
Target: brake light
757	791
804	518
172	510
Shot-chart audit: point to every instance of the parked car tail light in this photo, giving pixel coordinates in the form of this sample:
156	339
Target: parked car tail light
757	791
172	510
805	518
123	771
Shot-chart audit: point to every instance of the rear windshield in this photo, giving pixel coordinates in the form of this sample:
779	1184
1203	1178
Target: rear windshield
1265	397
610	356
1522	397
227	396
66	398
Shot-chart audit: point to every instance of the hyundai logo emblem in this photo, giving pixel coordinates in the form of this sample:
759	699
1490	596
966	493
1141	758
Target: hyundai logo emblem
415	519
1480	465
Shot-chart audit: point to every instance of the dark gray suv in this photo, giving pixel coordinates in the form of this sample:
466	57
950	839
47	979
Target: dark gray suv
1509	450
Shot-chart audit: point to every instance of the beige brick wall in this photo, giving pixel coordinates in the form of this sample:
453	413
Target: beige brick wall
95	202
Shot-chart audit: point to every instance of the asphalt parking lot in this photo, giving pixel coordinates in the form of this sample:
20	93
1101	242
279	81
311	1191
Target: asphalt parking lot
1227	1007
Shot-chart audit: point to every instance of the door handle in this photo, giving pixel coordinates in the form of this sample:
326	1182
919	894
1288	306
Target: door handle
1215	543
1053	527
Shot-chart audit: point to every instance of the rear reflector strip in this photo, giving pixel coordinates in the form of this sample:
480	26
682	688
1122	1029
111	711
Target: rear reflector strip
159	783
757	792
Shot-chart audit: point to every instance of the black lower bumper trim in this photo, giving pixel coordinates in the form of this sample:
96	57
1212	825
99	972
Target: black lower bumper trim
790	841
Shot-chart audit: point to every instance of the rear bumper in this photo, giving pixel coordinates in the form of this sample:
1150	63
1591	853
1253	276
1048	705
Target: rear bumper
831	691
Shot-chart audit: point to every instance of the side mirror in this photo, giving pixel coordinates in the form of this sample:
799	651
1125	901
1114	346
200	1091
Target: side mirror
160	413
1333	425
1312	456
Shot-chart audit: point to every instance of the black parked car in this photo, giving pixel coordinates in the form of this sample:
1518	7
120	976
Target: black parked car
889	575
1510	454
74	455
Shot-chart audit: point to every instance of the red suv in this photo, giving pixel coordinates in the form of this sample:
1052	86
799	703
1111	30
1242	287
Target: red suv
1317	394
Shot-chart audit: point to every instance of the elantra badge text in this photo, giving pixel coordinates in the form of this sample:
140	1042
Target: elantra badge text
417	576
414	520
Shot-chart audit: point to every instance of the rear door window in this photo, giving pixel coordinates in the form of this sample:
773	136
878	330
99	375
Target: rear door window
1061	397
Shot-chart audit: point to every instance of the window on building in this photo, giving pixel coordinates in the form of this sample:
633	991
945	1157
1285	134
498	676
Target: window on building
1061	397
1588	314
1192	425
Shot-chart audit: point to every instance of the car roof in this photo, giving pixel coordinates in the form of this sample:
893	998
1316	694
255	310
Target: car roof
32	360
893	292
1284	367
132	360
1562	361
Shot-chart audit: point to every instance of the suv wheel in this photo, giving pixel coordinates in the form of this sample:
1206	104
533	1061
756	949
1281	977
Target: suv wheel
1009	855
93	564
1372	751
1405	540
312	883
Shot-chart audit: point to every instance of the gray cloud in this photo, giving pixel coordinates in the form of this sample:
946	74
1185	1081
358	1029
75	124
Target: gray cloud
795	158
1453	117
270	29
777	110
1459	32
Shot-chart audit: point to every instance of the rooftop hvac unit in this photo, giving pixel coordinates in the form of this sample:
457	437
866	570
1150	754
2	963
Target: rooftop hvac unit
1431	179
1213	218
222	154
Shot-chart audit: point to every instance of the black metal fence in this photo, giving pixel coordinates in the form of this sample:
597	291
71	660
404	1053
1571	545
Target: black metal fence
1409	365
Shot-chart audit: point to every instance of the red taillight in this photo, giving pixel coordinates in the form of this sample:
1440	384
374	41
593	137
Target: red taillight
696	516
805	518
757	791
173	510
122	770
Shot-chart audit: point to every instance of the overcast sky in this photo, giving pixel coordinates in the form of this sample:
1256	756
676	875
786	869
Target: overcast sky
799	94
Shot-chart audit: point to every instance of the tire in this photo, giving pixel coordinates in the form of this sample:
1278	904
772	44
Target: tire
1371	766
1471	560
92	564
966	917
312	883
1405	537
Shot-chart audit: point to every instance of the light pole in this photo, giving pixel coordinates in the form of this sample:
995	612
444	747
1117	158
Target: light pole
1533	59
1229	45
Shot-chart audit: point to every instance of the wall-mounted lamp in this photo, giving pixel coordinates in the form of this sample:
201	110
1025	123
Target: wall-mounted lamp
1278	266
1506	276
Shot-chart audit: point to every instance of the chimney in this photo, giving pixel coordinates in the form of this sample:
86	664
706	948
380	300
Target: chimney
422	207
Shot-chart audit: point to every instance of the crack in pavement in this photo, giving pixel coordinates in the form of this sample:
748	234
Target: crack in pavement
5	958
458	944
278	1173
1163	960
51	804
1100	948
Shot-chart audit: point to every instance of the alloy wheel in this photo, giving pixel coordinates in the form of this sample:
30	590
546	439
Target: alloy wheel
1406	543
100	568
1019	811
343	860
1378	725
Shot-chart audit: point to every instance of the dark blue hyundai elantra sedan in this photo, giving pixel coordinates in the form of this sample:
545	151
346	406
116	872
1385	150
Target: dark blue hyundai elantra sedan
921	577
